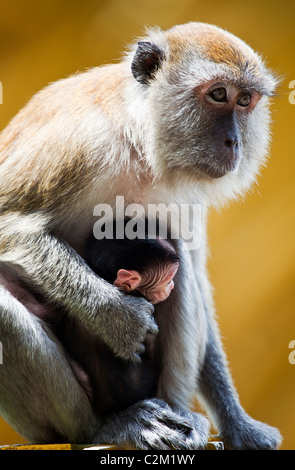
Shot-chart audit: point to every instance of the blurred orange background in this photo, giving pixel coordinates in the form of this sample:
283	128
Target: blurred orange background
252	250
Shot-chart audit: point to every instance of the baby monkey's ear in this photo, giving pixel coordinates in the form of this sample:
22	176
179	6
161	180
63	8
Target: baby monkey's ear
147	60
127	280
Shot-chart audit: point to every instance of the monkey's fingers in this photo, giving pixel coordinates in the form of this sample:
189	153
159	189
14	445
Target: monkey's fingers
154	329
158	436
167	431
176	422
141	349
136	356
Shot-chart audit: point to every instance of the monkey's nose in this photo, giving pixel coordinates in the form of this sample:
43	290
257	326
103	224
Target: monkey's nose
232	145
231	153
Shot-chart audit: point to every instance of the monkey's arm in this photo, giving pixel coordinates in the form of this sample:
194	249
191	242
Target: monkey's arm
63	277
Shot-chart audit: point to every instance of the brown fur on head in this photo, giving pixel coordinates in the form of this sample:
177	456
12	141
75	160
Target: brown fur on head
183	130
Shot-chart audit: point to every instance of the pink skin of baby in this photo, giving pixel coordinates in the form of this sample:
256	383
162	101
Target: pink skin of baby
154	286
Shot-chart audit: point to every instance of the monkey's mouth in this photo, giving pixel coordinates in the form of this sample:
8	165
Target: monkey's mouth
217	170
213	172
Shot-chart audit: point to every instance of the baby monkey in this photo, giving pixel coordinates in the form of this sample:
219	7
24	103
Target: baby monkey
141	266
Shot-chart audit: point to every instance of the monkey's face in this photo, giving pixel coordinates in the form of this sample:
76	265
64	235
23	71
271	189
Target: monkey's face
225	110
207	95
209	129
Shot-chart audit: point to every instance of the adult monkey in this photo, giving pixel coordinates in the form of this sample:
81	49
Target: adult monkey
183	118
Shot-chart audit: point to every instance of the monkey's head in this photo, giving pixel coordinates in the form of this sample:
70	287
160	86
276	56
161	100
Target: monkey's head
207	106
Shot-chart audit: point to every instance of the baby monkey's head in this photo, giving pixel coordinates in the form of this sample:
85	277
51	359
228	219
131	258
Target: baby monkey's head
139	266
154	277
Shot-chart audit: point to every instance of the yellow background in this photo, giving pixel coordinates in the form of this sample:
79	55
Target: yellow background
252	242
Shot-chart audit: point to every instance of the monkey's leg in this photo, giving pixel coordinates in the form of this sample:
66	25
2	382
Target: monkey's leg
39	395
236	428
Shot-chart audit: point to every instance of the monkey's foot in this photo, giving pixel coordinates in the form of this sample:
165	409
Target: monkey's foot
249	434
151	424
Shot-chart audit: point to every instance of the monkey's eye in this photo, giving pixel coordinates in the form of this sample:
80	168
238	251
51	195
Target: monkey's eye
244	100
219	94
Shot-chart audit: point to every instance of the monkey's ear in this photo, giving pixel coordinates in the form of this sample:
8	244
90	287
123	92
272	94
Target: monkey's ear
147	59
127	280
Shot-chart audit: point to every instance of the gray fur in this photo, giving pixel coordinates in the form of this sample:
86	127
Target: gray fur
83	141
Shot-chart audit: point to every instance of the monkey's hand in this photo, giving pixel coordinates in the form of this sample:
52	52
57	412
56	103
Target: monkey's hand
248	434
124	323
